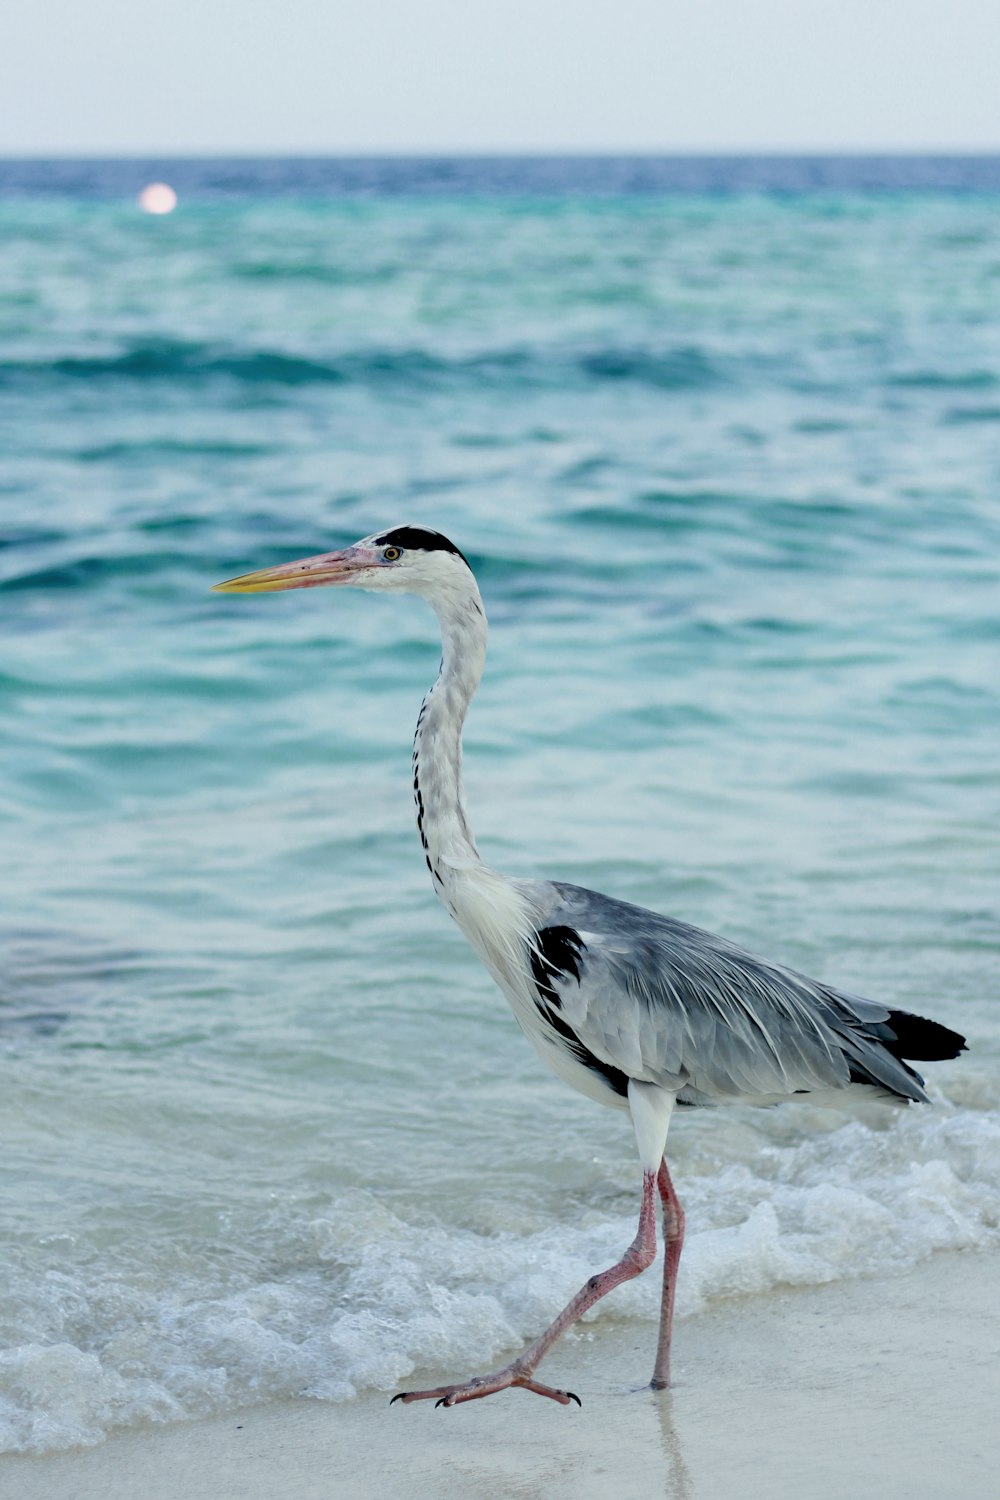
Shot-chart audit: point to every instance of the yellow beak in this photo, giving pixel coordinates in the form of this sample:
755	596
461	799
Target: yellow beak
306	573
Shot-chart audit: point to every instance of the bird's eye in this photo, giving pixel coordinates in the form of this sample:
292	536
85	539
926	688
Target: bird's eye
391	553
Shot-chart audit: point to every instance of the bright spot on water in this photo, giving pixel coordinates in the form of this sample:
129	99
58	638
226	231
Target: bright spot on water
157	198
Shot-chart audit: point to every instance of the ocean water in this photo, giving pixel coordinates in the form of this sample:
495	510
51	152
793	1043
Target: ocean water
722	441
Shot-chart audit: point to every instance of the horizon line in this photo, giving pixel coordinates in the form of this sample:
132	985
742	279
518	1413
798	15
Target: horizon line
527	153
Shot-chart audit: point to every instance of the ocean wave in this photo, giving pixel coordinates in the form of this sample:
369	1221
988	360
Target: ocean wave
669	367
958	416
84	571
147	449
946	380
682	368
672	369
358	1297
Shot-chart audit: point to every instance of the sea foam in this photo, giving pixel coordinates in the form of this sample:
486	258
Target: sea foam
366	1298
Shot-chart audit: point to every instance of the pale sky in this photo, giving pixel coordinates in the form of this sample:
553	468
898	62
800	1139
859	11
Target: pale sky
143	76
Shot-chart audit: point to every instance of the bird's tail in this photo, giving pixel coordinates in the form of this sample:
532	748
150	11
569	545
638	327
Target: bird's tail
921	1040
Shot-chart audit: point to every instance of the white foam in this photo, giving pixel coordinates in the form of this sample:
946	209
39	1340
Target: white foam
359	1298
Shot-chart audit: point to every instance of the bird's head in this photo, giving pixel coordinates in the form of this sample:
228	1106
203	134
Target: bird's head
406	559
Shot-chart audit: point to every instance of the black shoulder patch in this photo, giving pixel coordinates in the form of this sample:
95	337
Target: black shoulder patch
556	951
419	536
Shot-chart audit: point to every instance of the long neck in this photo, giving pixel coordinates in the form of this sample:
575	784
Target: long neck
442	820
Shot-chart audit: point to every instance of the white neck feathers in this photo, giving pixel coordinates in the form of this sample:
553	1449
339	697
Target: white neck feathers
492	911
442	819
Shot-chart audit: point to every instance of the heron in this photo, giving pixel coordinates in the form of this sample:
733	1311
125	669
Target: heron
637	1011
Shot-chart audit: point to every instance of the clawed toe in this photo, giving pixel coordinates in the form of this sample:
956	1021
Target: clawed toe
441	1391
563	1397
441	1395
475	1390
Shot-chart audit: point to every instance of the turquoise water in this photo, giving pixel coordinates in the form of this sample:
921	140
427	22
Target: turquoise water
728	469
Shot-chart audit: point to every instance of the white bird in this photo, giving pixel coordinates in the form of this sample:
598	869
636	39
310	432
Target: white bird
635	1010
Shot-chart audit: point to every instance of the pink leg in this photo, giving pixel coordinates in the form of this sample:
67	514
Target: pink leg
520	1371
673	1244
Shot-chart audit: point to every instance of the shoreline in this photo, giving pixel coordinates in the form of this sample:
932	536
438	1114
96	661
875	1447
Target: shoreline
889	1385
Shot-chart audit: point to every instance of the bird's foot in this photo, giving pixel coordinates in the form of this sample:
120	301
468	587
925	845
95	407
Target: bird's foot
487	1385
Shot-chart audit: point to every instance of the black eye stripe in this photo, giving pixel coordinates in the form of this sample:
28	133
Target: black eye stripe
417	536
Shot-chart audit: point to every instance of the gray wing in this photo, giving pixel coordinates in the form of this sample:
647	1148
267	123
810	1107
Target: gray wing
657	1000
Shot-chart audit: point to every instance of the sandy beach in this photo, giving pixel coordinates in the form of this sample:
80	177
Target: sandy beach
887	1386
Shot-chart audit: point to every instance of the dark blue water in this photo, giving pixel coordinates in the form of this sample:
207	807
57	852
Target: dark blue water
503	176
